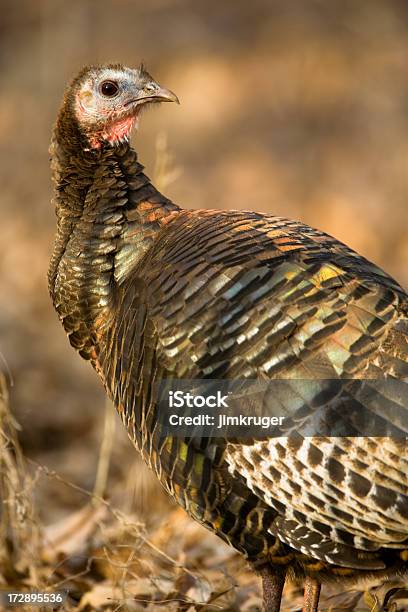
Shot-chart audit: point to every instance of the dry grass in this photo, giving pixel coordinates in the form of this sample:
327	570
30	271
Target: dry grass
20	532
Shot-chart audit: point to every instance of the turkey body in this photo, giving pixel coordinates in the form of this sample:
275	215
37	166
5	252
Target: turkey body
147	291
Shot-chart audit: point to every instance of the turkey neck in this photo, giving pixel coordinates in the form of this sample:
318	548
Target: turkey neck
108	214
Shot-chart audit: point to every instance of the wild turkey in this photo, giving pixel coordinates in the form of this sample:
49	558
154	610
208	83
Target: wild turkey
148	291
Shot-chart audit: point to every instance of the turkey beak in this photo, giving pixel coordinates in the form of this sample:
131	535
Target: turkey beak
158	94
165	95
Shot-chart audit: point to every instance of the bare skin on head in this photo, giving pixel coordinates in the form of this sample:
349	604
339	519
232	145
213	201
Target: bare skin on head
108	101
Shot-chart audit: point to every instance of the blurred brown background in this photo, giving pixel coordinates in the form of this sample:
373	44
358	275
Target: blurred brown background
296	108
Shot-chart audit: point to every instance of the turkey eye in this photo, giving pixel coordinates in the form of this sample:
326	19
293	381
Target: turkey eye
109	88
